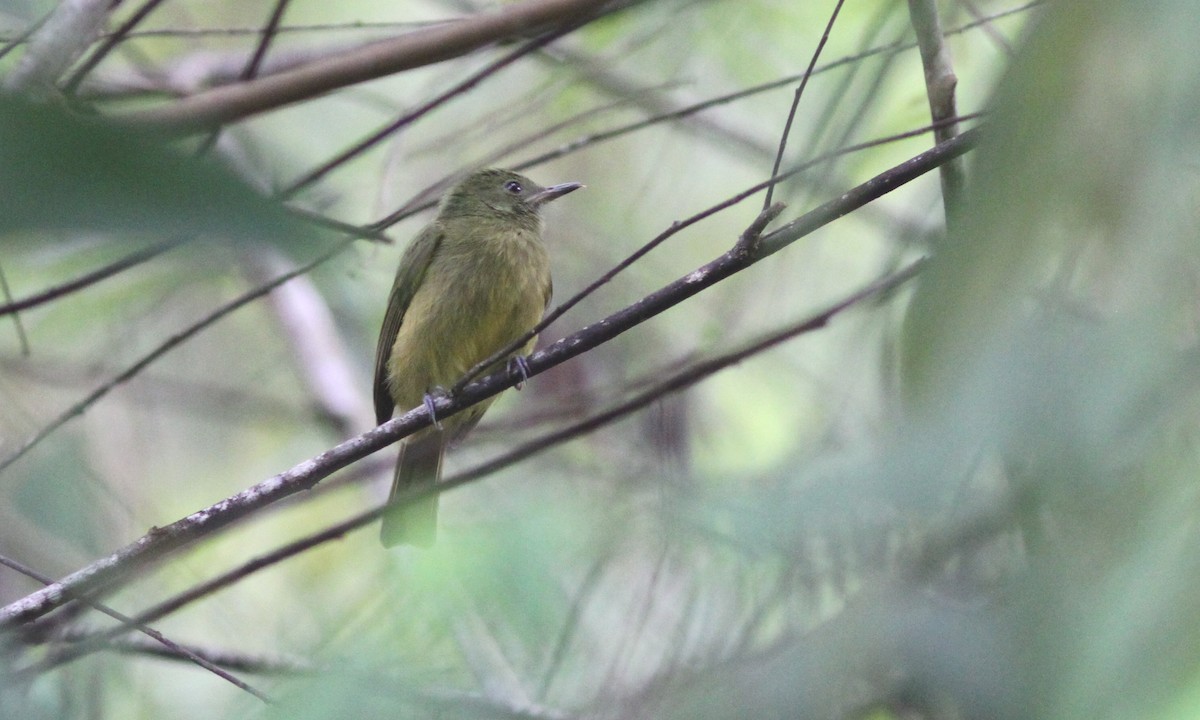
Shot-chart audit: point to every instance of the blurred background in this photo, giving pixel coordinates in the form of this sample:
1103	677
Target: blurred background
971	496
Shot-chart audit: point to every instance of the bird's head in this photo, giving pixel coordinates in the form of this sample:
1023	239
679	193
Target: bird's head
501	193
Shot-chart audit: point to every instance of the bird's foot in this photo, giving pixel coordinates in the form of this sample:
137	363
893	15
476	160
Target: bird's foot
518	363
430	398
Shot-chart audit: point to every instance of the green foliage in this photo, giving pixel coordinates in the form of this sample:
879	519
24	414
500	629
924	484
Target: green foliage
60	171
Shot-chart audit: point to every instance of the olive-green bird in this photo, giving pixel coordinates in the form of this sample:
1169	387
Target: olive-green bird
474	280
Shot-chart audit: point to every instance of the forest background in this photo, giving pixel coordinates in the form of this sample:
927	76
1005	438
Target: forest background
875	397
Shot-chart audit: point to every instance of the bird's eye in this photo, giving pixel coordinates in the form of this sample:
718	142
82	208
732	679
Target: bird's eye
513	187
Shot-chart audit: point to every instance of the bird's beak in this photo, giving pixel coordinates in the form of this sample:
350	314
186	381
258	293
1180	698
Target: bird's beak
545	195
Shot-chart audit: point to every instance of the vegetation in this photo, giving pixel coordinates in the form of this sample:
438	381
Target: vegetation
868	390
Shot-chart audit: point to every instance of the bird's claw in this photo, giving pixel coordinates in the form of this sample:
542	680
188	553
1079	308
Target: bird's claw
519	364
429	400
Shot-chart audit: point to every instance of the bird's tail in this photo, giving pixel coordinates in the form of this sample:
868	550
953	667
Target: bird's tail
420	463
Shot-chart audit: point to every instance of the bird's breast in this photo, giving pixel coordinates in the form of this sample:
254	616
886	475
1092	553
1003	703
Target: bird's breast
481	291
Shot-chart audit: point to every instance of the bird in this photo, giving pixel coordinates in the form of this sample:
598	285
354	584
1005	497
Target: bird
473	281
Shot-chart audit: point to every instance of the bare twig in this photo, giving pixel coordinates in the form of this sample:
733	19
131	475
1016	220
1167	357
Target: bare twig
264	42
940	82
787	126
222	658
110	42
322	28
162	643
88	279
253	65
989	27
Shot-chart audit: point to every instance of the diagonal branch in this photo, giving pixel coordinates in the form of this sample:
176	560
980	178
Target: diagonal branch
12	307
163	645
115	38
787	125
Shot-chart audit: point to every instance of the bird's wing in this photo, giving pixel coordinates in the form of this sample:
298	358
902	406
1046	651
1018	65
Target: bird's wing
409	277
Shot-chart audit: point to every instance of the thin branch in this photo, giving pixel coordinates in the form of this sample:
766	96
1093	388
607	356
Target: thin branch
162	644
989	27
110	42
605	75
787	126
868	97
264	42
108	571
163	348
227	659
874	188
416	49
940	82
88	279
253	65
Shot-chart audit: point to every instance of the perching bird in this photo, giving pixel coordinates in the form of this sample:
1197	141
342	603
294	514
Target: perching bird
474	280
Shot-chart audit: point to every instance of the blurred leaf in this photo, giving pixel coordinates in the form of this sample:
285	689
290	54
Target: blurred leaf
61	171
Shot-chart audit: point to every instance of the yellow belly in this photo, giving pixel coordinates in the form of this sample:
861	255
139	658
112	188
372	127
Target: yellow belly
473	300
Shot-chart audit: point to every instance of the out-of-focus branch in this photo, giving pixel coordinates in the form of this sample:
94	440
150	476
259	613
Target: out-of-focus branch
940	83
64	36
227	659
88	279
106	47
415	49
791	117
